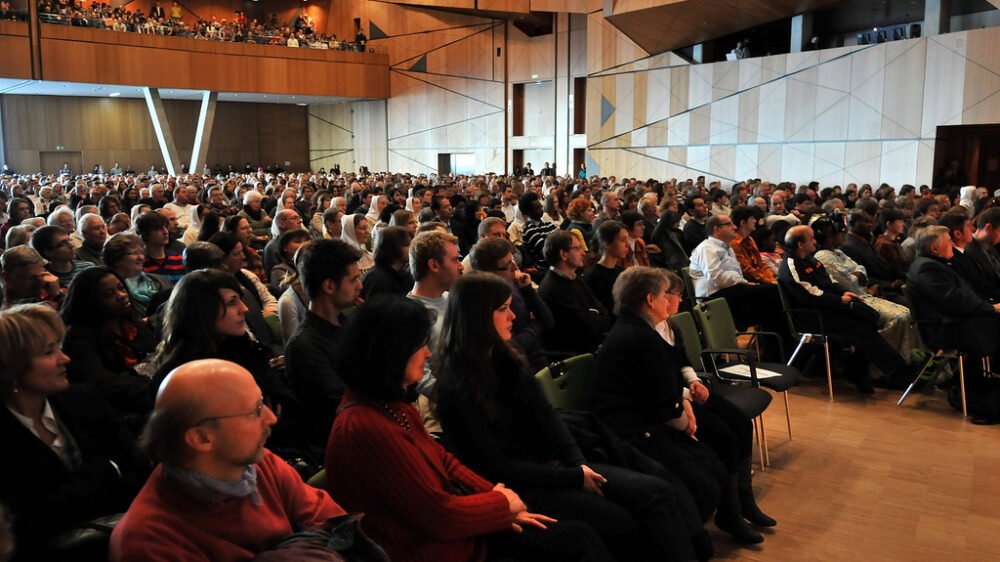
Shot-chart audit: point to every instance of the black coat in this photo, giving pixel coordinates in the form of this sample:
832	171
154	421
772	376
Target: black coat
879	271
951	313
639	386
46	497
580	318
97	360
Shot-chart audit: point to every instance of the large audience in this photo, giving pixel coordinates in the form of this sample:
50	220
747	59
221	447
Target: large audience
191	350
170	20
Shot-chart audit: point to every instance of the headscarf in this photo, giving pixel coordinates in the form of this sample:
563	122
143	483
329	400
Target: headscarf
347	233
373	212
968	198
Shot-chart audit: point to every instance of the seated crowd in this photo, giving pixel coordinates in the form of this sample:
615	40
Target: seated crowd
300	32
253	328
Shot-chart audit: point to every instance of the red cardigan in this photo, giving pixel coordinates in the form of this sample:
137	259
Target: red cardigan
397	478
165	523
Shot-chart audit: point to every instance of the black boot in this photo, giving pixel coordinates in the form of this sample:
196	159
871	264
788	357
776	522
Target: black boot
702	544
748	505
728	517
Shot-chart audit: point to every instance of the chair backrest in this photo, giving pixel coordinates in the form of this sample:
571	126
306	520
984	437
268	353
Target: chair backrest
688	283
717	325
567	383
274	324
786	304
683	324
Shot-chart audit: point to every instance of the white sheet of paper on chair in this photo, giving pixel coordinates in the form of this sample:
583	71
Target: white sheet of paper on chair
743	370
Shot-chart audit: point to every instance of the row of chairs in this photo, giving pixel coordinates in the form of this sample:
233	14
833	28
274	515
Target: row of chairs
727	370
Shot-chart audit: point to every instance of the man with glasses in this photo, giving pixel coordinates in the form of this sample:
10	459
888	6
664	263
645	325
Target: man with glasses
53	244
284	220
532	316
716	273
580	318
25	279
218	493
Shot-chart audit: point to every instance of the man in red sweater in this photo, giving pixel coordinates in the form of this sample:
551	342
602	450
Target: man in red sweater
217	493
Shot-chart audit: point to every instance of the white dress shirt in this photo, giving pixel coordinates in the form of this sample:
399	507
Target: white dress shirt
714	266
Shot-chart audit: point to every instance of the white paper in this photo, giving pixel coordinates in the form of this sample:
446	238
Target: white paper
743	370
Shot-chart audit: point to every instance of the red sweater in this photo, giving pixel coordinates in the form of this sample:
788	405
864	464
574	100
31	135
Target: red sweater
165	523
397	478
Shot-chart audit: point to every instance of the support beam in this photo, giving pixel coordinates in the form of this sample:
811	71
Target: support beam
3	152
562	161
802	32
162	128
203	134
703	53
937	17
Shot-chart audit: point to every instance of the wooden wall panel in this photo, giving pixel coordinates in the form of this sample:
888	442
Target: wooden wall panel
15	50
106	130
93	55
515	6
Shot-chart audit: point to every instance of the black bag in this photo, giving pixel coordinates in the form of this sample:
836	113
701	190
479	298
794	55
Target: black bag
340	539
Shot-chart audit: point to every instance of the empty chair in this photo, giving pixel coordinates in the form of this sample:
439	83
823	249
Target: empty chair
566	383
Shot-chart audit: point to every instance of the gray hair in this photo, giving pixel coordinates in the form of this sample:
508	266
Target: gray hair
85	219
927	237
636	282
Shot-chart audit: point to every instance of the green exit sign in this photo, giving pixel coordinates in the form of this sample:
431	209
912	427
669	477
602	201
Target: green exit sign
60	147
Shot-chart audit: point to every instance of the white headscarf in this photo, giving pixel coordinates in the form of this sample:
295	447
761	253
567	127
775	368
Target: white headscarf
968	197
373	213
347	233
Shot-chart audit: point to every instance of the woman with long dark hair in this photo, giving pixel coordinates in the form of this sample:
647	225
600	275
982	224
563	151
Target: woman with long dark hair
391	272
239	226
420	503
500	424
107	340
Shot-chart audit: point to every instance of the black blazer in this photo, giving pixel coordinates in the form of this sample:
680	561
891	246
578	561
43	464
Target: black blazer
638	387
44	496
952	313
879	271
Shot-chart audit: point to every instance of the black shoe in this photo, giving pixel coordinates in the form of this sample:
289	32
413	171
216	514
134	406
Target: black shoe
756	517
739	529
984	420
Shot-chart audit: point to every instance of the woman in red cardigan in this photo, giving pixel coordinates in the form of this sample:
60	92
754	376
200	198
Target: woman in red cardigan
420	503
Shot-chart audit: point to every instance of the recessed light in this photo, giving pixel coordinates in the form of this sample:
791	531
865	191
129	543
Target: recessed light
302	104
115	94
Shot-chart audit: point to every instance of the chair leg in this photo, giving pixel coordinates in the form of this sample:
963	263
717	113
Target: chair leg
758	437
961	383
798	348
927	362
788	418
763	435
829	372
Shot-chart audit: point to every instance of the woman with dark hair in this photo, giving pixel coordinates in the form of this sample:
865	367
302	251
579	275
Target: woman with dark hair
67	458
646	392
421	504
288	244
206	319
239	226
668	238
888	243
211	223
391	272
107	341
406	219
501	426
234	262
320	203
636	226
109	206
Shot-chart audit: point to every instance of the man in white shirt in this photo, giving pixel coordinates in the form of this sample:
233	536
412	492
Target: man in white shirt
184	198
716	273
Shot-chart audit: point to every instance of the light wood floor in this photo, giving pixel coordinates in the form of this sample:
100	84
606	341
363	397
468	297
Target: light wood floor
866	480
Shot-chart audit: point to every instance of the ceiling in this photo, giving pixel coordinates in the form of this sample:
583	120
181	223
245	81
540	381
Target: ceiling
45	88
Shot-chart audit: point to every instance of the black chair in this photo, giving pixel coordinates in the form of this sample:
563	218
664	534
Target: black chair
749	400
795	317
943	351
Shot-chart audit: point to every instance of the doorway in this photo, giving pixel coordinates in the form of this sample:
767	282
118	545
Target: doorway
975	147
52	162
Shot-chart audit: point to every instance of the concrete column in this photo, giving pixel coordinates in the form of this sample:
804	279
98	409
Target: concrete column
937	17
162	128
802	31
3	152
563	88
203	134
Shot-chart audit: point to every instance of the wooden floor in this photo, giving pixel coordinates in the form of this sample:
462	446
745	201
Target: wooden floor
864	479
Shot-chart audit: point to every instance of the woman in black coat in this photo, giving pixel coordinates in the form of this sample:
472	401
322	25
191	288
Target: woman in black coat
107	341
657	409
500	425
67	458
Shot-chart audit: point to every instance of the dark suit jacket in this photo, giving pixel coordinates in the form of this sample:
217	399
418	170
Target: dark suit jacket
638	387
43	494
979	270
879	271
580	319
951	313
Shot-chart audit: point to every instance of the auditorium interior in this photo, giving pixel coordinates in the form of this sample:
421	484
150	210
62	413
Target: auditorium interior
837	92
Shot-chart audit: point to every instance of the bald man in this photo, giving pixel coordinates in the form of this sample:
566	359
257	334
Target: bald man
217	493
845	317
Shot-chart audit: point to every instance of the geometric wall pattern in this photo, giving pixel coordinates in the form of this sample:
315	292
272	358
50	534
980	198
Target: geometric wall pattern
331	136
862	114
446	83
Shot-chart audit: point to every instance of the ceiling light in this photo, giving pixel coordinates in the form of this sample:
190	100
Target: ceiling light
115	94
302	104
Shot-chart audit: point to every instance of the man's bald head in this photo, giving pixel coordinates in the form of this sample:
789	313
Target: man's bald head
190	393
800	234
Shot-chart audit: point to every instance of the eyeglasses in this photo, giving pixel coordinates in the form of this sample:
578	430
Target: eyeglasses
508	267
724	224
258	411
